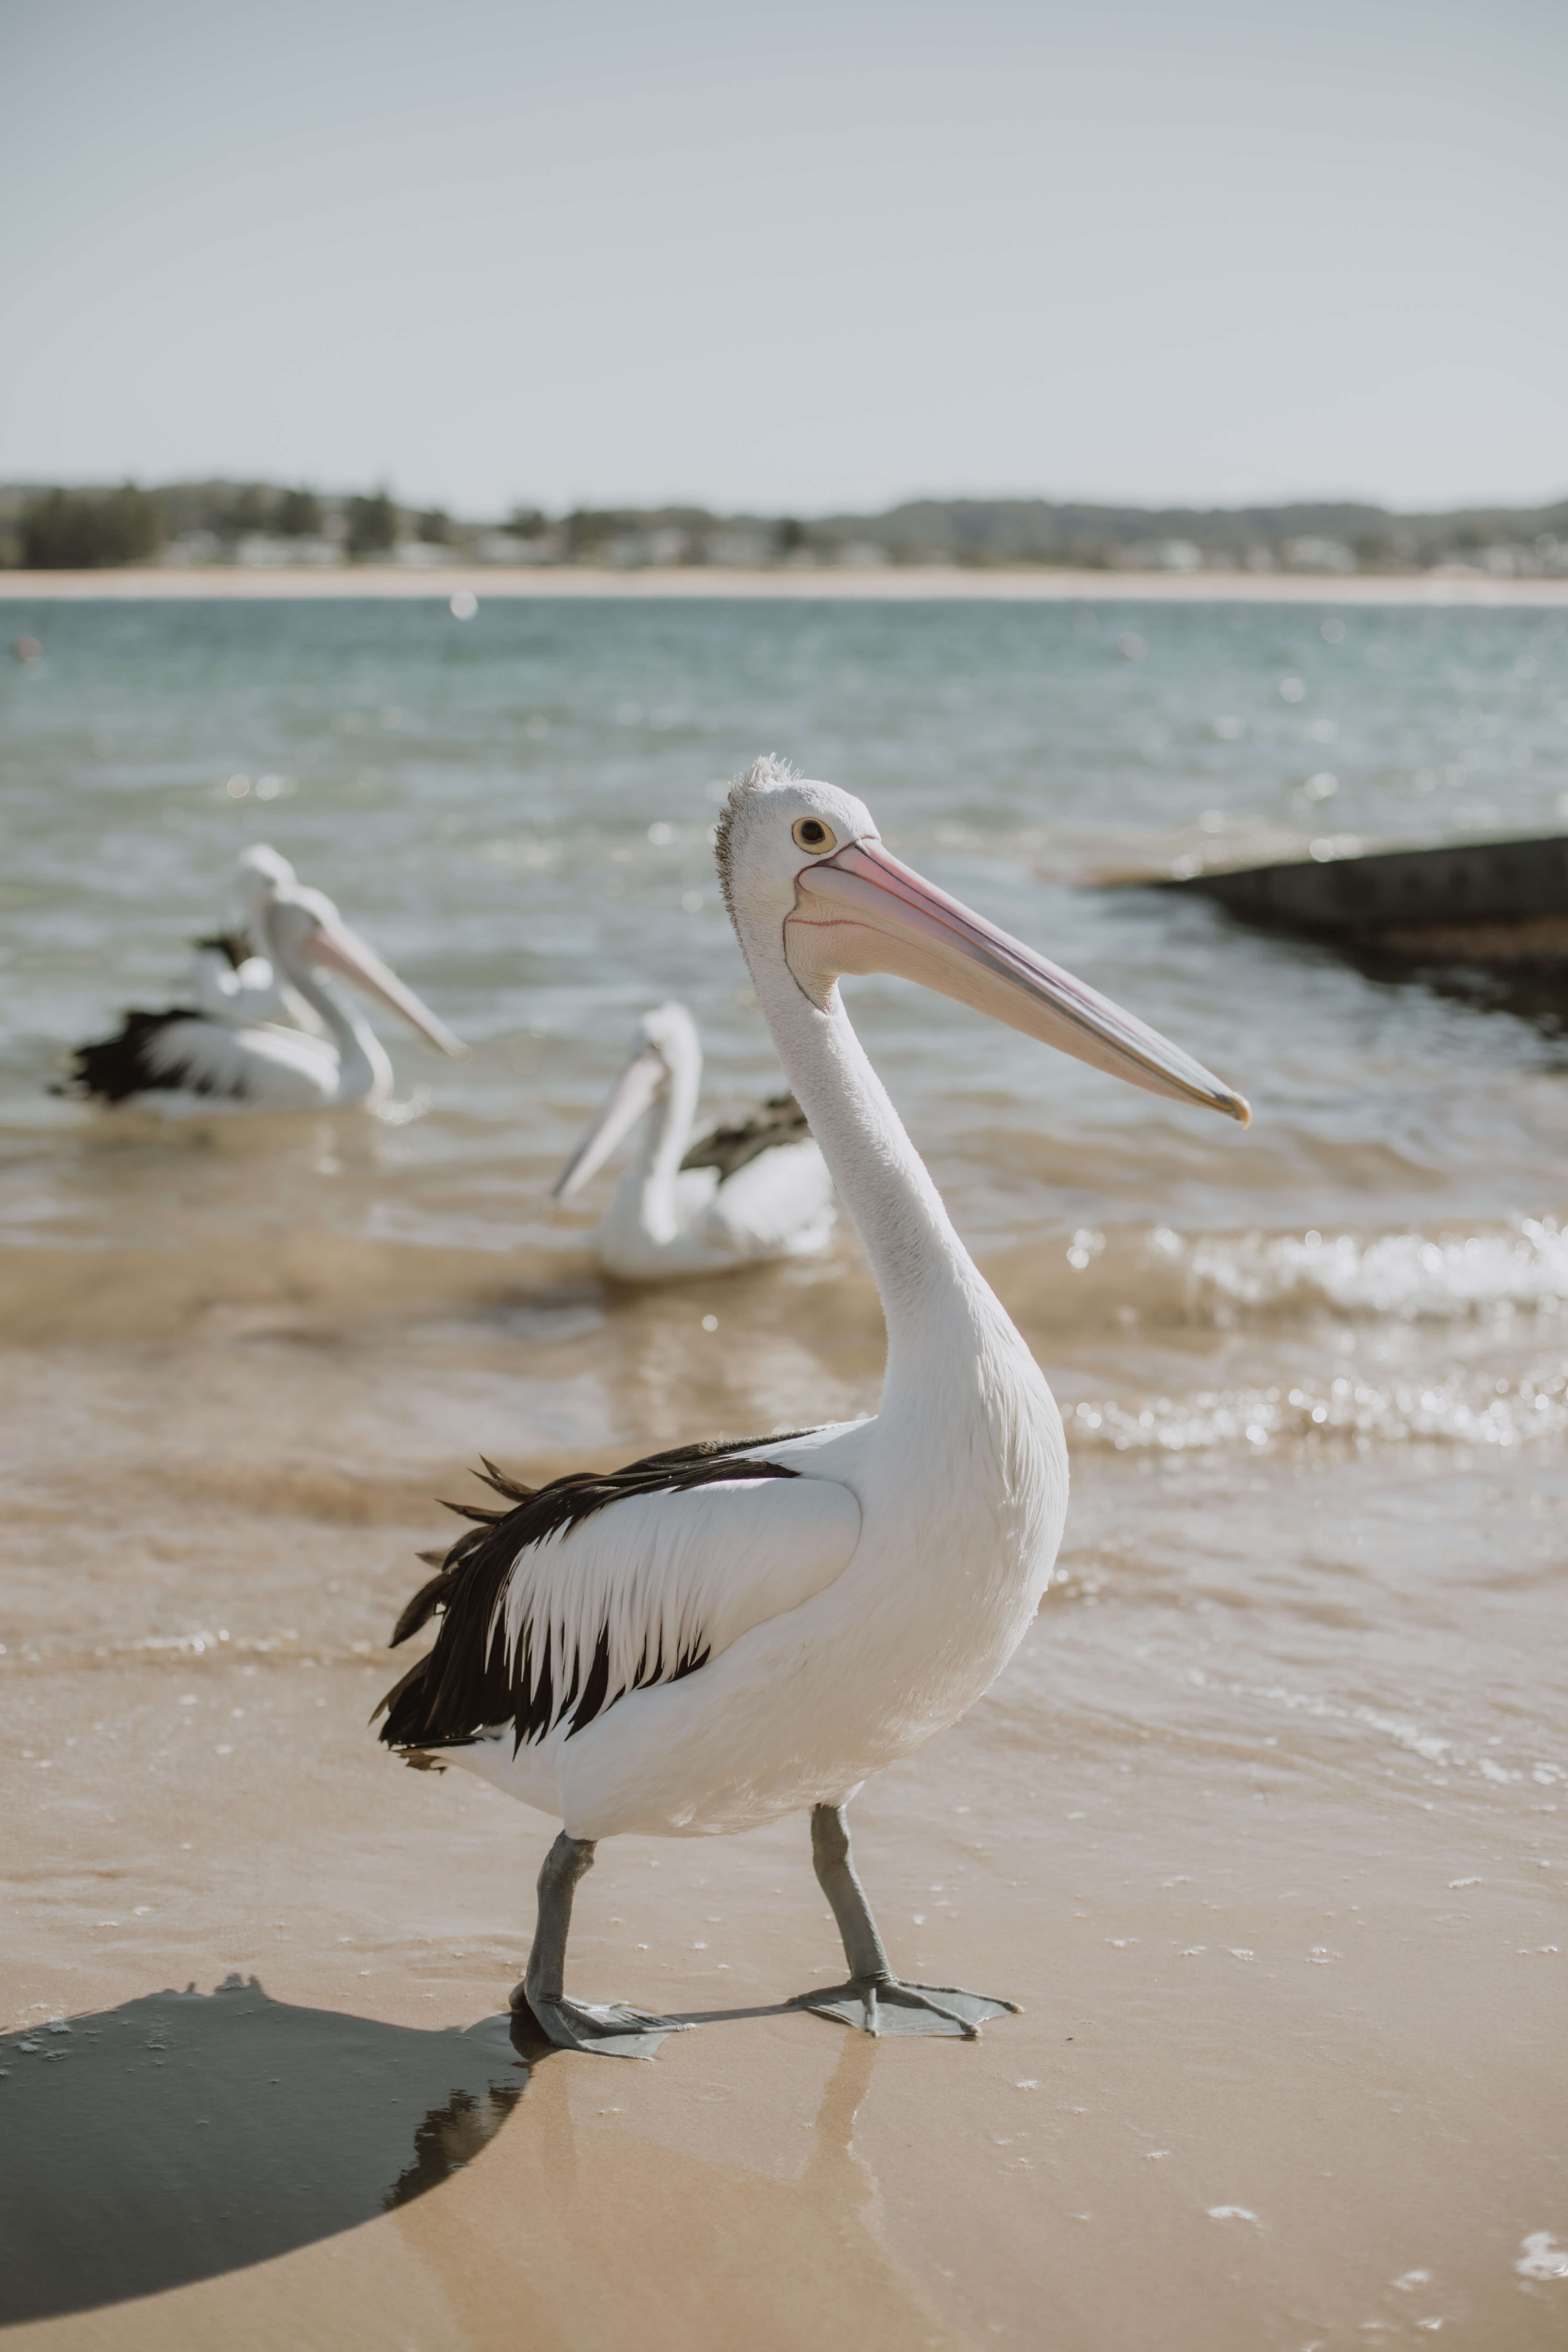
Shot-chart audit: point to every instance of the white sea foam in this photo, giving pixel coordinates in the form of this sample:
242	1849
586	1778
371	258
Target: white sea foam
1460	1409
1158	1277
1409	1275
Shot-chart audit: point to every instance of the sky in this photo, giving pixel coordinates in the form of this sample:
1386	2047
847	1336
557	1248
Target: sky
810	258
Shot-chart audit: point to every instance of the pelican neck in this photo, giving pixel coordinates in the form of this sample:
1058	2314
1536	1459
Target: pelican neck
667	1131
363	1063
931	1291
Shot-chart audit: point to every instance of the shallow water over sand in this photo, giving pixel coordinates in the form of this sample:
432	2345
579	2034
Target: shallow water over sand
1268	1813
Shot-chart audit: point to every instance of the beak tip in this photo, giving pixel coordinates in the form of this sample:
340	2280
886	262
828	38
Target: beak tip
1240	1109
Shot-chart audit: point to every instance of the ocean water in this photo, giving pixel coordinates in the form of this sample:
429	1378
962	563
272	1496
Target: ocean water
517	810
1315	1375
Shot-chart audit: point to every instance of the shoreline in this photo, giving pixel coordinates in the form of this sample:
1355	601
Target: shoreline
913	584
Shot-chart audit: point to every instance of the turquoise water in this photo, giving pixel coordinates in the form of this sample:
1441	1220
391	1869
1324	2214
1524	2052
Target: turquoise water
516	811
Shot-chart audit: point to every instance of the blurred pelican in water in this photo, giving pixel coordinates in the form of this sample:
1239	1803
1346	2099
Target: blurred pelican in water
745	1193
185	1060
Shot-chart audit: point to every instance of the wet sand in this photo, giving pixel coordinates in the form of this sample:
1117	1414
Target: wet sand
1290	2066
897	584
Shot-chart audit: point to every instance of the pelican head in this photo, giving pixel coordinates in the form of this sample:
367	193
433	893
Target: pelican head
665	1059
804	861
263	873
307	933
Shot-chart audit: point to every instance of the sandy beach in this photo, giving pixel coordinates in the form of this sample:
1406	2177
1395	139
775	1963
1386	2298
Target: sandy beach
1288	2066
911	583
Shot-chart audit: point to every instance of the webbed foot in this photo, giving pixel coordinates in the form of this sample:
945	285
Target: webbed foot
881	2005
609	2028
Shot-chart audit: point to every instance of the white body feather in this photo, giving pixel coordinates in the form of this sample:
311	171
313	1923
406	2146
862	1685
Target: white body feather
662	1225
849	1613
247	994
264	1068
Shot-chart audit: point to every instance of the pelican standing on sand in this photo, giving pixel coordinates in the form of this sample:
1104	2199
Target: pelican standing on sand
233	977
716	1636
744	1194
183	1061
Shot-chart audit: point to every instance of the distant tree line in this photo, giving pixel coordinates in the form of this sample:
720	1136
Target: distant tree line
1319	535
80	530
56	529
87	531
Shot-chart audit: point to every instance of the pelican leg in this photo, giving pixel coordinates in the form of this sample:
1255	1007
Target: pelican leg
612	2030
875	2000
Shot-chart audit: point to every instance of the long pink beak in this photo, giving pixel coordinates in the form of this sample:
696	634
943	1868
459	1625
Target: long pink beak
633	1091
863	911
340	950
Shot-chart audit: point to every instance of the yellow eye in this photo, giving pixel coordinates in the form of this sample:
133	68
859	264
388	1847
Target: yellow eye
810	832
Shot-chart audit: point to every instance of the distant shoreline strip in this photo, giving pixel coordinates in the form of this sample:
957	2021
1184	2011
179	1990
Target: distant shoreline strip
896	585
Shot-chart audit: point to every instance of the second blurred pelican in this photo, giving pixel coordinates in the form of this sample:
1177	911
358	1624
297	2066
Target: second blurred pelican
744	1194
233	977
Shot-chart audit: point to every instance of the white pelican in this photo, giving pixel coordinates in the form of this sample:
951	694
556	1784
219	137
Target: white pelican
712	1637
182	1061
744	1193
232	974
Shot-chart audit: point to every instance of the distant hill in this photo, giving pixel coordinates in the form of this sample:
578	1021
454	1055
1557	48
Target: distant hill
1322	536
257	523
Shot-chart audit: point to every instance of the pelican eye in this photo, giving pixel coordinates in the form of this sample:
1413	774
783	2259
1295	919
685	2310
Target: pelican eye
810	832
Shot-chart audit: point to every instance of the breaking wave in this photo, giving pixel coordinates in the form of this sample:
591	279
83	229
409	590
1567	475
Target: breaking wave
1459	1409
1409	1275
1155	1276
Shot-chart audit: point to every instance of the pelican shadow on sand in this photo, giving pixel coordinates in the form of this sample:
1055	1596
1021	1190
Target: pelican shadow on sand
183	2134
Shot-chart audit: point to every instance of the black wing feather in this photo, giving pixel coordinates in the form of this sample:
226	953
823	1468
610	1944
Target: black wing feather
469	1680
730	1148
232	944
112	1069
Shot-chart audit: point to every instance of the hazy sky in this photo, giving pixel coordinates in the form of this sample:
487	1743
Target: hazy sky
827	254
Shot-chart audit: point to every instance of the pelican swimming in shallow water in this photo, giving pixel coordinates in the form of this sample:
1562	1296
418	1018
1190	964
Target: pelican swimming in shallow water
744	1193
183	1061
715	1636
233	977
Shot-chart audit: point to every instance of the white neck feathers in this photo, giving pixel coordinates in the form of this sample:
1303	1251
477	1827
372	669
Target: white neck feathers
666	1133
364	1068
934	1297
